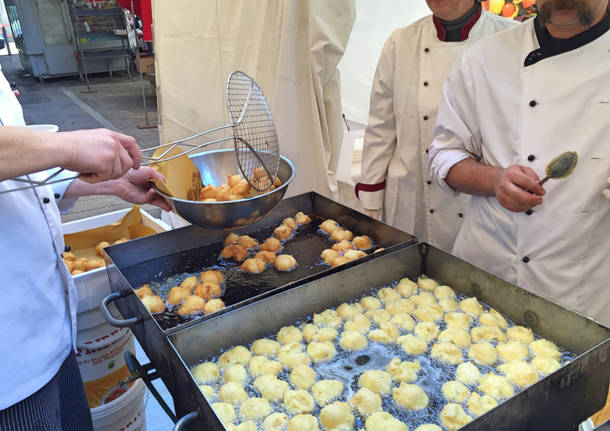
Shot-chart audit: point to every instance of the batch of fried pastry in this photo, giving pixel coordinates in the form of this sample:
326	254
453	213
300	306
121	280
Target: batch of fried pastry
82	264
195	294
347	247
236	187
276	383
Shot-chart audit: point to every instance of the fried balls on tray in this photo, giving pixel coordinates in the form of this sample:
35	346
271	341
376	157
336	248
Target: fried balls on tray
234	252
337	416
270	387
496	386
290	222
329	226
237	355
338	235
285	262
253	265
299	401
302	377
213	305
177	294
282	232
275	422
190	282
382	421
447	352
366	402
271	244
512	350
403	371
254	408
232	392
478	405
302	218
329	255
521	373
260	365
206	372
211	276
455	391
342	246
207	290
191	305
143	291
545	365
484	353
231	239
353	340
225	412
363	242
235	373
321	351
153	303
247	242
544	347
377	381
410	396
289	334
341	260
265	347
266	256
467	373
521	334
326	390
303	422
453	417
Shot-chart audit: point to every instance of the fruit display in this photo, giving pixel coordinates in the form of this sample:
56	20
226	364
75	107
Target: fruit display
516	9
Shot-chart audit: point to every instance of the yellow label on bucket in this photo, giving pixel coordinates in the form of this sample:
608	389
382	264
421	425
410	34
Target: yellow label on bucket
106	389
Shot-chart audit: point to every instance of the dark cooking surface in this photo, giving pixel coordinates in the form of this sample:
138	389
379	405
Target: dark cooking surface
305	246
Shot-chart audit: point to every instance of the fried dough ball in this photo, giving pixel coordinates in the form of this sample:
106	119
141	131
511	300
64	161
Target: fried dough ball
329	226
363	242
400	306
427	330
456	336
472	306
521	373
487	333
153	303
289	335
403	371
353	340
409	396
366	402
99	249
521	334
191	305
313	333
387	333
302	218
484	353
427	284
378	316
448	305
354	255
412	344
275	422
328	317
377	381
253	265
321	351
512	350
254	408
493	318
478	405
237	355
207	390
546	348
211	276
326	390
428	427
370	303
143	291
213	305
177	294
496	386
444	292
299	401
271	244
403	321
341	235
342	246
388	295
282	232
545	365
265	347
428	313
303	422
447	352
358	323
453	417
382	421
231	239
467	373
232	392
225	412
456	319
423	298
266	256
329	255
285	262
235	373
292	358
337	416
244	426
270	387
207	290
190	282
455	391
247	242
406	287
68	256
94	264
290	222
260	365
302	377
339	261
348	311
234	252
208	192
206	372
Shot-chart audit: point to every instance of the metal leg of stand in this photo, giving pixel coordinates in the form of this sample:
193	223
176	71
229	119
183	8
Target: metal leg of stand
146	125
84	67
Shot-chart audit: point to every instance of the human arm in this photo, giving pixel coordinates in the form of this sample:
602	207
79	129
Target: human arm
98	154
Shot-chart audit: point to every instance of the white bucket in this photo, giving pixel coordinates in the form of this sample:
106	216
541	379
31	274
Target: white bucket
100	349
125	413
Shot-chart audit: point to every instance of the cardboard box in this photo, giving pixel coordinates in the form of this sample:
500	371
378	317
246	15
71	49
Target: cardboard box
147	64
92	286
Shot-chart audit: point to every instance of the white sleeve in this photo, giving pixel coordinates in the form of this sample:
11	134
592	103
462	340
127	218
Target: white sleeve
59	188
457	134
380	135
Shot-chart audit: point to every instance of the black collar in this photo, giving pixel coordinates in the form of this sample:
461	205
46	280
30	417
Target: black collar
550	46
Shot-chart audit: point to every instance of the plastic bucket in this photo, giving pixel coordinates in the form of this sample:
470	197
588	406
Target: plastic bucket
100	349
125	413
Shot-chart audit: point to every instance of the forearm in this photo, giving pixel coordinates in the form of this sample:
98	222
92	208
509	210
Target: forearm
474	178
80	188
24	151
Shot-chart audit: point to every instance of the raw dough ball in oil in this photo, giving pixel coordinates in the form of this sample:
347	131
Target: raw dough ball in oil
453	417
409	396
484	353
299	401
376	380
325	391
303	423
477	404
455	391
382	421
337	416
366	402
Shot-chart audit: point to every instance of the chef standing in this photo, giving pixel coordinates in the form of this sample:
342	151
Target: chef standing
404	100
541	89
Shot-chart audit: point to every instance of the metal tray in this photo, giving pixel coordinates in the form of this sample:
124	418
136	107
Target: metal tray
560	401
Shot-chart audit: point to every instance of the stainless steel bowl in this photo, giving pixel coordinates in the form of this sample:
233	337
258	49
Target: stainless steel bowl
215	166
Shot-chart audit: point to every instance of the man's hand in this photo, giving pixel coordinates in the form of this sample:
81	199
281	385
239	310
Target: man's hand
98	154
376	214
517	188
135	187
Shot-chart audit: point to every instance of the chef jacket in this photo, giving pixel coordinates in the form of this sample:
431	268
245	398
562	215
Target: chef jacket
404	100
518	97
38	301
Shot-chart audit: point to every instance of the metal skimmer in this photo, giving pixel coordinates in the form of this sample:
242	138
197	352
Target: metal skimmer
256	145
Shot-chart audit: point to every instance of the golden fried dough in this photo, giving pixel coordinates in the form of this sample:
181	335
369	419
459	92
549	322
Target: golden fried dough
282	232
341	235
234	252
231	239
266	256
143	291
363	242
366	402
153	303
329	255
253	265
207	290
337	416
211	276
342	246
299	401
453	417
302	218
206	372
447	352
213	305
191	305
247	242
410	396
271	244
285	262
290	222
177	294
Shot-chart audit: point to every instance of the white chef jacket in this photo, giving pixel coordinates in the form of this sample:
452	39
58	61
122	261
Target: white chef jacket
37	326
404	100
501	112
